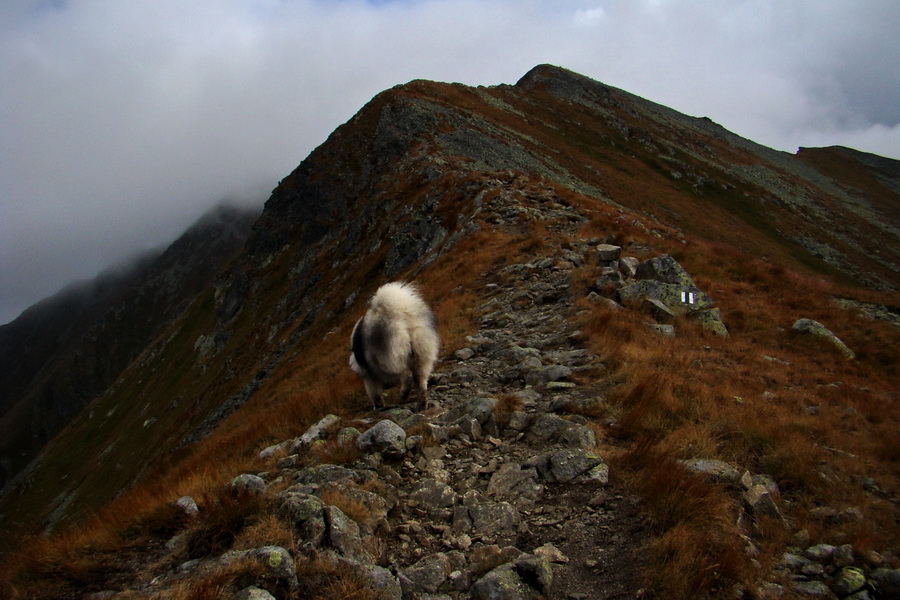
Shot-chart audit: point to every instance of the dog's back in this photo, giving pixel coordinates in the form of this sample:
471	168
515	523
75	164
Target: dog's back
396	338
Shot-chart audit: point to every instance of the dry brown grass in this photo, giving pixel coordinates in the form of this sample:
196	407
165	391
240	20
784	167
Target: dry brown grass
223	582
348	504
325	580
268	530
226	517
333	453
764	399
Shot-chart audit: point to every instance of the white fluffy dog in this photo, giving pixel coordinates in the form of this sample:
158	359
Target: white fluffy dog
396	341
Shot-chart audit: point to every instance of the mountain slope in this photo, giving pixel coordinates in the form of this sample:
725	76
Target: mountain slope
445	184
64	351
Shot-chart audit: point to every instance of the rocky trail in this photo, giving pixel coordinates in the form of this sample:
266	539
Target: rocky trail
495	492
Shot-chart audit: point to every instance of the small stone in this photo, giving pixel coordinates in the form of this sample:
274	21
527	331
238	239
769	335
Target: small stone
434	494
188	506
821	553
852	514
888	582
875	559
770	591
760	502
607	253
848	581
529	577
253	593
844	556
716	471
663	330
246	484
551	553
276	564
464	354
544	375
386	437
628	266
814	589
347	436
564	465
425	576
469	426
380	580
275	450
513	479
824	513
792	562
459	581
316	432
813	570
492	518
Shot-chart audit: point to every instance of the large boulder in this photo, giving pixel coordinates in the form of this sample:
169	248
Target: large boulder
711	320
343	534
306	513
246	484
431	494
848	581
664	269
607	253
513	479
314	433
386	437
426	576
527	578
679	299
816	329
569	465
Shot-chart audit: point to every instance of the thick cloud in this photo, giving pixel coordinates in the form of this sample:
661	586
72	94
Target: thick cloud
120	122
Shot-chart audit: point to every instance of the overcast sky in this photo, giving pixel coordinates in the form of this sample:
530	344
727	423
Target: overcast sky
121	121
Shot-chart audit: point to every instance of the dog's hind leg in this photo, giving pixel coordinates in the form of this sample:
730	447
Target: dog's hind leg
374	389
420	380
406	385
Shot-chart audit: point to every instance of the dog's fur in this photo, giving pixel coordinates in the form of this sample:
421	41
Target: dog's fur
396	341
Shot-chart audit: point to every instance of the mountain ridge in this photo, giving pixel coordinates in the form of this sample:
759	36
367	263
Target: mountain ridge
443	183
